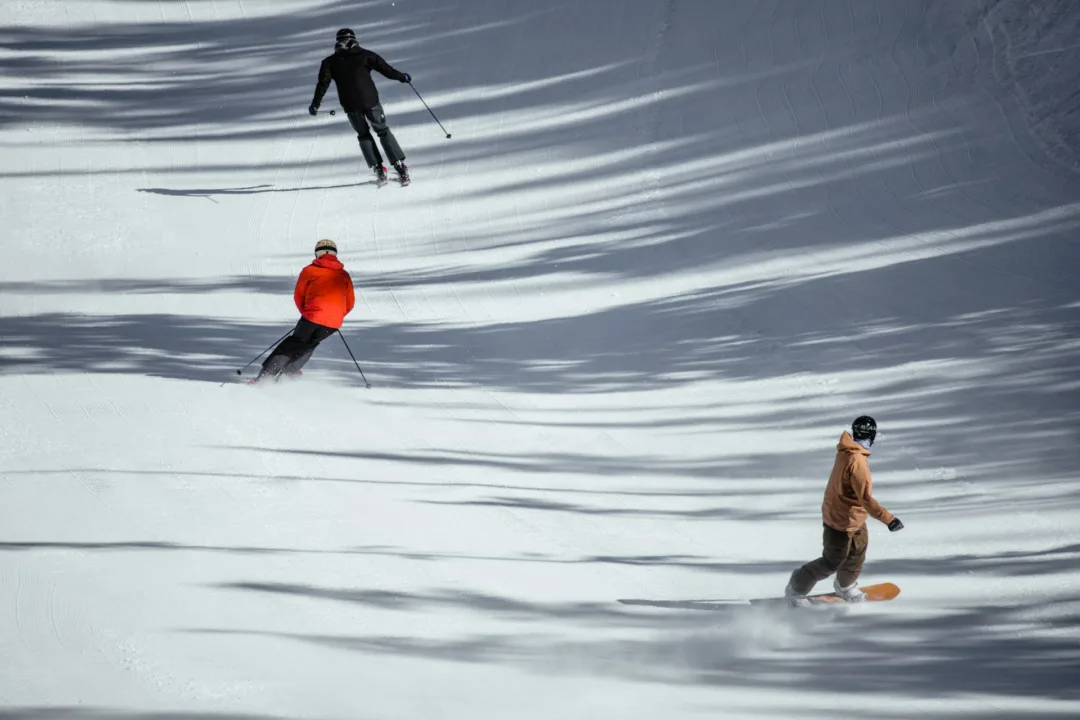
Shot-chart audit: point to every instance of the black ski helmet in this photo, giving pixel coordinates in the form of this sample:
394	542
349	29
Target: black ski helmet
864	428
345	33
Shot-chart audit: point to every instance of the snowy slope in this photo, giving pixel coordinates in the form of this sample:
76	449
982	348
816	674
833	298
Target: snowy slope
614	329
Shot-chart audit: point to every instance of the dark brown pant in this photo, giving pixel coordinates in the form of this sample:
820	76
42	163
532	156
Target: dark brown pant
843	553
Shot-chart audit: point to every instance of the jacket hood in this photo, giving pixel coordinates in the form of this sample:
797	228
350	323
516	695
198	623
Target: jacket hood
329	260
847	444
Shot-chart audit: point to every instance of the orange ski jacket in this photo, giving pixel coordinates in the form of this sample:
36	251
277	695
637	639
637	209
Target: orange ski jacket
324	292
848	496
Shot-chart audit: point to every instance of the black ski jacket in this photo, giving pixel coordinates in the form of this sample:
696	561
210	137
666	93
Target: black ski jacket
350	69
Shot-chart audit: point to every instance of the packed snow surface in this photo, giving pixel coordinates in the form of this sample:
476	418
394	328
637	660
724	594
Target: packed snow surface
614	330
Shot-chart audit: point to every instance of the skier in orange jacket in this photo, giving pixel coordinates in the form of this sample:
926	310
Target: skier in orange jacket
324	296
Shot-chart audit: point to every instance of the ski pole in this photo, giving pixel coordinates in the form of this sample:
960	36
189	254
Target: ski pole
429	109
241	370
366	383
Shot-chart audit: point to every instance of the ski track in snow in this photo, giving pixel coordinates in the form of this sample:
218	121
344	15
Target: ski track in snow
614	328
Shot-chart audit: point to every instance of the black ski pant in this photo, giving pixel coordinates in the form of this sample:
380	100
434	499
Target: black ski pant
842	553
292	353
373	118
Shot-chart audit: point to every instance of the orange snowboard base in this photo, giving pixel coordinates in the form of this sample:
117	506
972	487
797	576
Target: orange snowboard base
874	593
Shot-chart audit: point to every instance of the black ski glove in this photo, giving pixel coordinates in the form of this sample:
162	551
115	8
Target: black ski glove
896	525
406	78
313	108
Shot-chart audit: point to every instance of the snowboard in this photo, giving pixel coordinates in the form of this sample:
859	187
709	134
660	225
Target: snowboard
881	592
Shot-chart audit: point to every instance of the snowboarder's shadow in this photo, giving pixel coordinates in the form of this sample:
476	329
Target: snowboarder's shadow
739	626
732	605
713	605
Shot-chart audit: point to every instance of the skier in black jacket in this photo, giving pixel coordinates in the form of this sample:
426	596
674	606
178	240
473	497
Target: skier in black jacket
350	68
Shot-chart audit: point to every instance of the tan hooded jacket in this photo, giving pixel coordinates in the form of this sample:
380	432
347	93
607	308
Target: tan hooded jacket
848	497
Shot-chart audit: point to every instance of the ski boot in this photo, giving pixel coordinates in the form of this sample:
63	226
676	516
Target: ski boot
380	175
795	599
403	172
851	593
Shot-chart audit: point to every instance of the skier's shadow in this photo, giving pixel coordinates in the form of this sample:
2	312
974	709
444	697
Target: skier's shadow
208	193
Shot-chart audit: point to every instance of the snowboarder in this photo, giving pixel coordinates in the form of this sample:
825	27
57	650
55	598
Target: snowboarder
848	501
324	295
350	68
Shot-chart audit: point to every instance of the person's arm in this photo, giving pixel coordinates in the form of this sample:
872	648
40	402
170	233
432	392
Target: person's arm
384	69
300	291
323	84
350	295
860	485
